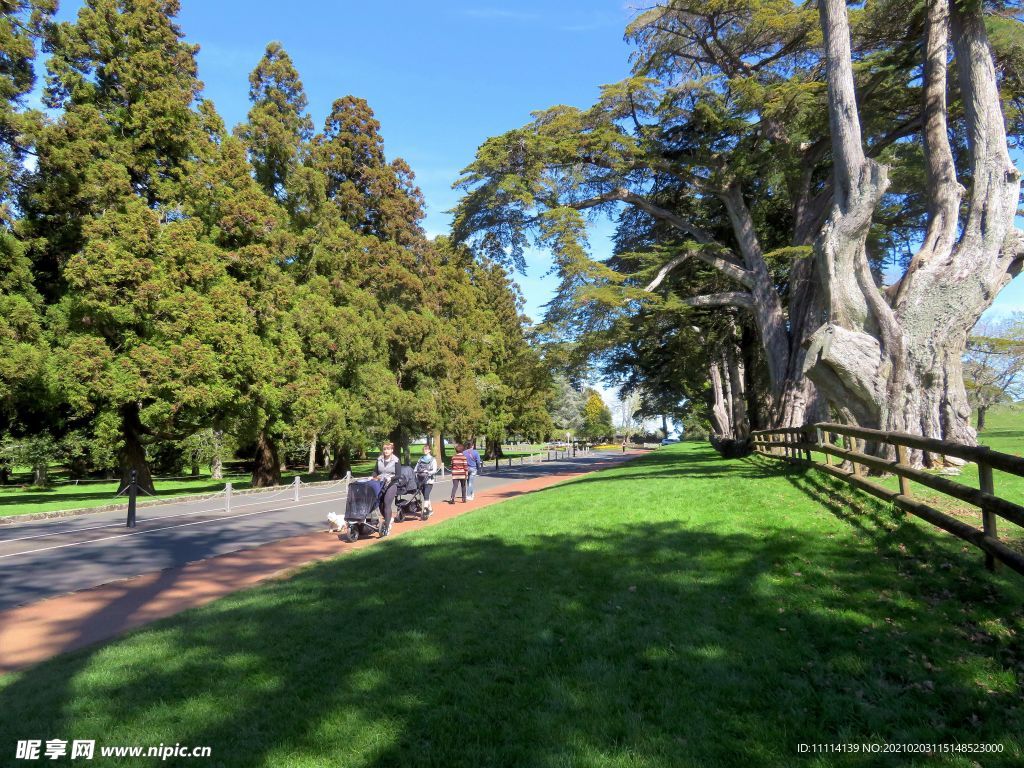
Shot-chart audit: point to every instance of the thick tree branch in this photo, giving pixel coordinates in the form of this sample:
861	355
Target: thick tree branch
844	120
996	182
722	264
663	272
944	191
726	299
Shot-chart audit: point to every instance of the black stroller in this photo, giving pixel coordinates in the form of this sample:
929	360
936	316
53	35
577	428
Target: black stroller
410	495
362	509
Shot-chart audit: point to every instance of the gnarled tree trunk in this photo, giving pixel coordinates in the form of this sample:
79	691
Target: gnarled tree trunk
342	461
891	360
267	469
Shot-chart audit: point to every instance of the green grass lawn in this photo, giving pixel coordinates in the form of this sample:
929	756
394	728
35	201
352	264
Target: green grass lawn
681	610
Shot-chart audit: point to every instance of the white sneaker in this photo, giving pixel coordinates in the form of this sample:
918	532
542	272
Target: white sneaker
470	497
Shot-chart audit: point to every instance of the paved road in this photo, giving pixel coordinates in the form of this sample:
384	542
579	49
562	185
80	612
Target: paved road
45	558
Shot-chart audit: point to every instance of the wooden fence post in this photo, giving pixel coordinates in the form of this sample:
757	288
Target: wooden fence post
901	458
988	517
851	445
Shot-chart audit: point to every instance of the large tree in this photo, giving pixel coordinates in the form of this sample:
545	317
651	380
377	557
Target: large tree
718	149
97	212
892	359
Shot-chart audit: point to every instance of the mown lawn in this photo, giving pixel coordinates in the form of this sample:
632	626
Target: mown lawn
680	610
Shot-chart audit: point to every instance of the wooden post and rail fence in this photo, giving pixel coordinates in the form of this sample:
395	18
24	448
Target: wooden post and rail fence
796	444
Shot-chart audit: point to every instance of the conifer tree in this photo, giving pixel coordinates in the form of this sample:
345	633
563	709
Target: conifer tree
107	248
21	339
278	129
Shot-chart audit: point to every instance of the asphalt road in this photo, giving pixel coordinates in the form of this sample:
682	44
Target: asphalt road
46	558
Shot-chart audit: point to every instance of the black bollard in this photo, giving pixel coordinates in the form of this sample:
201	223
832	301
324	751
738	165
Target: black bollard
133	489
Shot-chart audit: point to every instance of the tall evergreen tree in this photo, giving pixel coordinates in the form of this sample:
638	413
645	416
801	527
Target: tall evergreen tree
101	212
21	339
278	128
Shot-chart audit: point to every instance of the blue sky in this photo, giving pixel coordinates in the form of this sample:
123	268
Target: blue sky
442	76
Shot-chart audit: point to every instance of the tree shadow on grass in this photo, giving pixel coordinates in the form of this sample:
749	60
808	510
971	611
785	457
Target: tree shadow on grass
681	647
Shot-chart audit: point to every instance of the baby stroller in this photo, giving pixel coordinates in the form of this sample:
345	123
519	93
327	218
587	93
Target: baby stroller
362	507
410	495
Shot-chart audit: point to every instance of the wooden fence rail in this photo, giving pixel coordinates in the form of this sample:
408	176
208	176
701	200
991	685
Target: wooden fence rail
796	444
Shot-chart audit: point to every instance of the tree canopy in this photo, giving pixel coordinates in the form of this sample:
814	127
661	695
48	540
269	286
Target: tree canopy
169	287
729	161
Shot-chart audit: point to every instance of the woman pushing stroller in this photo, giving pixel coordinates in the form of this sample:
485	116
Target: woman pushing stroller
385	472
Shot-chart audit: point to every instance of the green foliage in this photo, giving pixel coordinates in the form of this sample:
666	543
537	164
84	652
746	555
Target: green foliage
167	281
35	451
278	126
597	418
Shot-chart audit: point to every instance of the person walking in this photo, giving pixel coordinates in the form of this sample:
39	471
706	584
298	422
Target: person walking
386	472
474	466
460	469
426	468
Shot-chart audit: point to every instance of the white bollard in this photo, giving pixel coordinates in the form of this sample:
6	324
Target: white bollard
295	489
227	497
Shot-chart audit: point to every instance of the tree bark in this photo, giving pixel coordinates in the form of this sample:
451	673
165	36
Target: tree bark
217	462
737	389
981	417
494	450
721	417
311	468
267	468
898	367
342	461
132	454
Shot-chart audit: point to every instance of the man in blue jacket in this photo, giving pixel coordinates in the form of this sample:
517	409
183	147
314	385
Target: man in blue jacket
475	465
